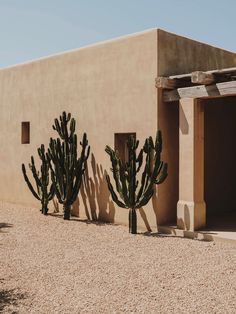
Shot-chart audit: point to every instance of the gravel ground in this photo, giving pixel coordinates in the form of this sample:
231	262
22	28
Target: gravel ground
48	265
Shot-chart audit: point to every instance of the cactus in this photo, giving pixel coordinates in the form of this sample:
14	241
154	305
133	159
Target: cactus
41	192
62	127
66	168
125	175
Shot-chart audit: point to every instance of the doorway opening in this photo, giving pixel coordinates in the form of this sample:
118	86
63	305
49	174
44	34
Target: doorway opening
220	163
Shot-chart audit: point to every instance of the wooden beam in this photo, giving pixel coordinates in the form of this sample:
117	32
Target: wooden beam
202	91
231	71
186	76
169	83
199	77
165	82
223	71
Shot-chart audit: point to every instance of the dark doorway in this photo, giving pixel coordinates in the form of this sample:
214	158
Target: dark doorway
220	161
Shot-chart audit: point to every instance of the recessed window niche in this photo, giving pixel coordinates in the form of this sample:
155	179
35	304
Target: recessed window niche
25	132
121	144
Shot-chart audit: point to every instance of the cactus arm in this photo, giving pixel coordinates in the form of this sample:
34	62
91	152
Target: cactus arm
140	160
29	183
65	120
56	187
76	188
132	146
118	171
163	175
35	173
72	127
143	181
159	169
81	165
123	192
116	166
113	194
57	128
145	199
158	142
62	127
51	192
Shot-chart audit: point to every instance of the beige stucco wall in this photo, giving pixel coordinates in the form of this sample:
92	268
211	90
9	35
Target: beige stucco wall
109	88
179	55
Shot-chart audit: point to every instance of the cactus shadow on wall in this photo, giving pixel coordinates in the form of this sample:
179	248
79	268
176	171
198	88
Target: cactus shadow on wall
95	195
155	204
158	201
55	205
145	220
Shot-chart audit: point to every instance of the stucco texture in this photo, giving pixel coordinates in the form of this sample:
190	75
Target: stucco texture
109	88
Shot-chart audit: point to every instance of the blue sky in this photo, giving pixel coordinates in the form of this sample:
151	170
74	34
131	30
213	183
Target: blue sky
34	28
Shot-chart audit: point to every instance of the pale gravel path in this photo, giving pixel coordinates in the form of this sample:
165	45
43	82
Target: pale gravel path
48	265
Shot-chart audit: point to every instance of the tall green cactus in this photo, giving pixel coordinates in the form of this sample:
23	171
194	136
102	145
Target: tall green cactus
66	168
41	193
125	175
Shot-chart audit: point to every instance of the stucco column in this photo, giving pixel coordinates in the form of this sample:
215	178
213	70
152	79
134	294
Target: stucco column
191	208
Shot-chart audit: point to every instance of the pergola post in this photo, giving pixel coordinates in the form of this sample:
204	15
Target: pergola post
191	208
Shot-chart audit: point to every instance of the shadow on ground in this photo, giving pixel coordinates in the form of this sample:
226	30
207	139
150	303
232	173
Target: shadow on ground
159	235
172	235
4	225
86	221
10	298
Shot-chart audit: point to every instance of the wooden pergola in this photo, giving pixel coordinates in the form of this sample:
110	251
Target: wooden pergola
198	84
190	90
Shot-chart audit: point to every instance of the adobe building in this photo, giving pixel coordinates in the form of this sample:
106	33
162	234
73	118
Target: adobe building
110	89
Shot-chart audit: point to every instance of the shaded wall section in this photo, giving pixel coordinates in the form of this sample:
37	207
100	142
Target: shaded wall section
168	192
178	55
220	155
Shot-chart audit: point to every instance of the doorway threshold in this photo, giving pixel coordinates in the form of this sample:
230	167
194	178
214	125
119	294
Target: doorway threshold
205	234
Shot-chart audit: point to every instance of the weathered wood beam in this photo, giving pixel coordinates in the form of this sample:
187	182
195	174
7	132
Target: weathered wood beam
231	71
181	76
202	91
199	77
169	83
165	82
223	71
